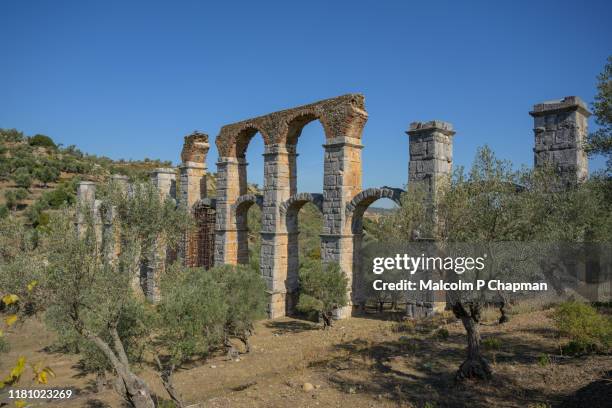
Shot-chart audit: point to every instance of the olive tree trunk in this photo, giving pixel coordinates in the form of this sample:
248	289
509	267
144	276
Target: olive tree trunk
475	365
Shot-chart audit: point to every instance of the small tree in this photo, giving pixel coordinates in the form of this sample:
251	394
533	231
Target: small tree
42	140
322	290
600	141
245	296
22	178
47	174
15	197
191	320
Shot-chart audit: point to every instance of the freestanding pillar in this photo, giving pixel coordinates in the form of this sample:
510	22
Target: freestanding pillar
561	128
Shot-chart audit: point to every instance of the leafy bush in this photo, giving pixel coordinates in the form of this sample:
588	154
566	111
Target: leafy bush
42	140
22	177
441	333
322	290
4	211
245	296
11	135
492	343
47	174
14	197
588	330
544	360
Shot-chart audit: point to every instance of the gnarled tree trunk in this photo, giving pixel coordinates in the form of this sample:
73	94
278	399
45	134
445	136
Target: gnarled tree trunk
475	365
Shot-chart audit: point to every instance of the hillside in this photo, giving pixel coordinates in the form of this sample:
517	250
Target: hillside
37	175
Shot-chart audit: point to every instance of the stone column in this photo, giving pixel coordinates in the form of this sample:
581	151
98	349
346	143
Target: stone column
164	179
228	190
431	162
431	154
273	259
341	182
86	196
561	128
112	233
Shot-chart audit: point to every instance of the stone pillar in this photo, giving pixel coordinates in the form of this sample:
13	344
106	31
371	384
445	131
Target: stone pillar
431	162
341	182
228	190
164	179
560	129
274	239
192	188
86	196
431	154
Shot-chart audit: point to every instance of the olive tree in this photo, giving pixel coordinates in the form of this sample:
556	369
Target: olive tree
322	290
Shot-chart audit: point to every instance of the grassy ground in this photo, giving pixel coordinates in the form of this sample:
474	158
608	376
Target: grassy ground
361	362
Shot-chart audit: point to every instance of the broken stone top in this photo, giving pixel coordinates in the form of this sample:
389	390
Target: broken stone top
432	125
343	116
569	103
195	148
163	170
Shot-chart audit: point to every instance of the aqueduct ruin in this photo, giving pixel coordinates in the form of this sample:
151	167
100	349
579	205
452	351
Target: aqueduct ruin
222	230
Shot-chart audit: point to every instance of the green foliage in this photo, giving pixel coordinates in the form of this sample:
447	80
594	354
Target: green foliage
191	314
588	330
14	197
492	343
441	333
47	174
4	211
22	177
245	296
544	360
42	140
600	141
11	135
322	288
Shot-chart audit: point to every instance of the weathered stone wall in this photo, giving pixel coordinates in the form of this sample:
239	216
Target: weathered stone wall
560	129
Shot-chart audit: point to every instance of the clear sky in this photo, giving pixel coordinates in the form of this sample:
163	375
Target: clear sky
129	79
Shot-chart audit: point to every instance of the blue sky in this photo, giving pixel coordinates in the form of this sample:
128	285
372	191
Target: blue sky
130	79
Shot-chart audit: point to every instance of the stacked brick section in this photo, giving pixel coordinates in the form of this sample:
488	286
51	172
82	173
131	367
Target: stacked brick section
560	129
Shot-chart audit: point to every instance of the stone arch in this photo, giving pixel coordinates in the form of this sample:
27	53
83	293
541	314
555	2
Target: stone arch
360	203
289	211
296	201
355	210
240	210
234	139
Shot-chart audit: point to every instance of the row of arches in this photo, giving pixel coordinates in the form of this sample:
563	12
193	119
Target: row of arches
341	203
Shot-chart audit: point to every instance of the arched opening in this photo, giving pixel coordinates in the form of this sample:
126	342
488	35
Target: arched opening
250	148
247	215
369	217
303	221
306	133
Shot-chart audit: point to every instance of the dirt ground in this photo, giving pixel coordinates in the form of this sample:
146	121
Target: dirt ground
360	362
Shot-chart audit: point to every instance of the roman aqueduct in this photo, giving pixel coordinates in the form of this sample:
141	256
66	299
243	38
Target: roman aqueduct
222	235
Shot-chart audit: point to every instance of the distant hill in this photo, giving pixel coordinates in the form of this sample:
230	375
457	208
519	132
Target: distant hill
37	175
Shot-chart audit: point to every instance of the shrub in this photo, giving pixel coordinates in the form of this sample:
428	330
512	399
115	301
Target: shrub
441	333
492	343
14	197
4	211
322	290
245	296
588	330
11	135
47	174
42	140
22	177
544	360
